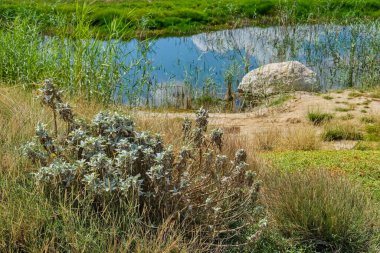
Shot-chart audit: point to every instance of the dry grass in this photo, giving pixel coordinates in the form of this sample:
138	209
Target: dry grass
300	138
28	222
31	223
268	139
169	128
19	116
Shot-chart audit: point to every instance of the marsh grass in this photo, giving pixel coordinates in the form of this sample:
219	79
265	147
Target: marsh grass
372	131
375	93
368	119
367	145
268	139
82	64
355	94
280	100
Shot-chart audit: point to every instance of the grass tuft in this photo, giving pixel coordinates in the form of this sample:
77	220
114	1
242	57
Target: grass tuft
328	97
345	109
337	132
300	138
354	94
323	209
348	116
368	119
317	117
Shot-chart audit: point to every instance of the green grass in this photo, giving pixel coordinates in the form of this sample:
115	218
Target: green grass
344	109
317	117
328	97
340	131
372	132
280	100
168	17
354	94
361	166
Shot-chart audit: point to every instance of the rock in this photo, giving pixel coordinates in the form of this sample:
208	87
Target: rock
280	77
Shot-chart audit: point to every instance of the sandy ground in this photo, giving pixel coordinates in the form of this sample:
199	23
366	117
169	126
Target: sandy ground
291	114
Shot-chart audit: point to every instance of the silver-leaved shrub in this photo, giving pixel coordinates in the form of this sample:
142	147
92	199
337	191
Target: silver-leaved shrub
111	163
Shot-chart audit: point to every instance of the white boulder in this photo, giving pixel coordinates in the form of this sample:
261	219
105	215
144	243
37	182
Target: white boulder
280	77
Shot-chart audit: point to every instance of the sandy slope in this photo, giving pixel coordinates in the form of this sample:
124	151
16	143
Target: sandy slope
291	114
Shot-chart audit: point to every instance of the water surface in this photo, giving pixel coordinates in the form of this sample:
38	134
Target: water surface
342	56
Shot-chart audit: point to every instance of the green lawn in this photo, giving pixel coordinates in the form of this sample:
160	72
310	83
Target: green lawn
362	166
176	17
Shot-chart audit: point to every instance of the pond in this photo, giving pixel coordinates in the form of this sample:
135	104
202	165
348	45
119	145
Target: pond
342	56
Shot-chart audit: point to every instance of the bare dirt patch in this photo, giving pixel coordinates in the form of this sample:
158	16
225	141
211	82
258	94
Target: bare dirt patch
345	106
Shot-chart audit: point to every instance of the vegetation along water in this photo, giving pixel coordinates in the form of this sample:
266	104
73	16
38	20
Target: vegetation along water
122	127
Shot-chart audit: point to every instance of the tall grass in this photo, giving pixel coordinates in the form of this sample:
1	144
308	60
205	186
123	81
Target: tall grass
82	64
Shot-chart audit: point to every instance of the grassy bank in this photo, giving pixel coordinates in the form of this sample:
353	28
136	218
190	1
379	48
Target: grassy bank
168	17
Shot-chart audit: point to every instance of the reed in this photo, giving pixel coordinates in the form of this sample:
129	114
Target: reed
82	64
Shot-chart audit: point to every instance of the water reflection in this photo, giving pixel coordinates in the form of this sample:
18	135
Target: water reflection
342	56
